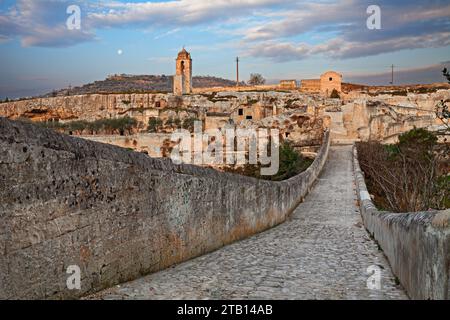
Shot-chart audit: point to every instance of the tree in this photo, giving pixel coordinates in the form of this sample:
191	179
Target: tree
442	111
6	99
335	94
446	74
256	79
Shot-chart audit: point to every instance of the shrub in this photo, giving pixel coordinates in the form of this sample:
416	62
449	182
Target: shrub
177	122
406	176
335	94
291	163
188	123
169	122
154	124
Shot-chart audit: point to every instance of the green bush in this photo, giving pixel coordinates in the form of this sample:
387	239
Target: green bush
169	122
177	122
154	124
335	94
188	123
291	163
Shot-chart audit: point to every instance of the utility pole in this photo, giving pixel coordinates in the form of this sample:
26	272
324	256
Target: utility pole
237	71
392	74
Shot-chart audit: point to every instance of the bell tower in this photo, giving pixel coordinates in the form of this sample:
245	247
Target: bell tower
182	81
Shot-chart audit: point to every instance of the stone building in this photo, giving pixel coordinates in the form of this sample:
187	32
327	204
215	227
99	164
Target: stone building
310	85
328	81
288	84
182	81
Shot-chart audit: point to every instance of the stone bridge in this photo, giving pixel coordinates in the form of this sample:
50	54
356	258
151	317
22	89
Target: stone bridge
321	252
198	233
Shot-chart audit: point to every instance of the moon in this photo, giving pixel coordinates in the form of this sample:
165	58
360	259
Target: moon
119	52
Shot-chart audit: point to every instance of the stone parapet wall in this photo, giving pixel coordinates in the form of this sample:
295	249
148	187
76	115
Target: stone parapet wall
416	244
118	214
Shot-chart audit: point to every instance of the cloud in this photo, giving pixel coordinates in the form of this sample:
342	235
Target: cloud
405	25
342	49
174	13
168	33
42	23
279	51
347	18
260	28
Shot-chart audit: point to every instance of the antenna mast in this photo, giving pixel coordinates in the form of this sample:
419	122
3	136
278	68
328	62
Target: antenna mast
392	74
237	71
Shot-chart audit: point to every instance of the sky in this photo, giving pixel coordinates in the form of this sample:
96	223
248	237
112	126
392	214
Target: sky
281	39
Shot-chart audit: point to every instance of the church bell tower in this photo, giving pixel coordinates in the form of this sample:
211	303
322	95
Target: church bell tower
182	81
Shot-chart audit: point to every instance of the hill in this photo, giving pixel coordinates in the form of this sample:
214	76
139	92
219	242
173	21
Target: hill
138	83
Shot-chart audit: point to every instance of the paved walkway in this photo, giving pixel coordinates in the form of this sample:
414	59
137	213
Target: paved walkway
321	252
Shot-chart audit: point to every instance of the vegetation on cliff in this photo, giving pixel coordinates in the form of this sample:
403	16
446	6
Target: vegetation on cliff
110	126
442	110
157	125
291	163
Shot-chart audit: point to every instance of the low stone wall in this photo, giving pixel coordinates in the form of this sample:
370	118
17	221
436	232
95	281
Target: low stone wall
118	214
264	87
417	244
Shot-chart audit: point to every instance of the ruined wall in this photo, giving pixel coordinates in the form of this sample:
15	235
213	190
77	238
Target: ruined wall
118	214
288	84
310	85
417	244
237	89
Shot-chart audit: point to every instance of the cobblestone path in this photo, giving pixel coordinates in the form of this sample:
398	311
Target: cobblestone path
321	252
